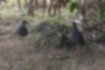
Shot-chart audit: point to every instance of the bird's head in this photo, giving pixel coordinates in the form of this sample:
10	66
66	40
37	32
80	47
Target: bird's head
74	25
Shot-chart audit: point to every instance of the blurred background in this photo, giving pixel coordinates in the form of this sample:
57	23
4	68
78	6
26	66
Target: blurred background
48	44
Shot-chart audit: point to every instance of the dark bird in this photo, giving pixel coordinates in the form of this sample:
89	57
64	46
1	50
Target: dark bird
21	30
76	36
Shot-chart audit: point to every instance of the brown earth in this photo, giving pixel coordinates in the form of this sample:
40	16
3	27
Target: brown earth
16	54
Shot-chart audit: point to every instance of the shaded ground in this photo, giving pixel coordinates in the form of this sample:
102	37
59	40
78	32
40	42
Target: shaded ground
18	54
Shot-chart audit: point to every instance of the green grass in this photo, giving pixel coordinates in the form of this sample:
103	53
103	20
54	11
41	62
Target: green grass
36	44
90	45
56	42
28	67
68	24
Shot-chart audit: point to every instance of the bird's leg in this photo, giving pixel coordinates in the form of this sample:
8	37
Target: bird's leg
61	43
22	39
19	38
66	45
66	48
77	50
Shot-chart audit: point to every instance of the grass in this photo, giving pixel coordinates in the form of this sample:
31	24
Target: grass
68	24
64	64
28	67
68	52
90	45
56	42
36	44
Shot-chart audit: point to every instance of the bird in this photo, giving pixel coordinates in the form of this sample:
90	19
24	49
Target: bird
76	36
22	30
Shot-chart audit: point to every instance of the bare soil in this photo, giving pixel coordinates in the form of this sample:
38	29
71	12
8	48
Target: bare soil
16	54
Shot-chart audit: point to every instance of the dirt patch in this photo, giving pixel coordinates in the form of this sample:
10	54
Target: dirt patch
22	54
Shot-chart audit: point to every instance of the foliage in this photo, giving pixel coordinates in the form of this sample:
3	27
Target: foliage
36	44
102	10
55	21
56	42
73	5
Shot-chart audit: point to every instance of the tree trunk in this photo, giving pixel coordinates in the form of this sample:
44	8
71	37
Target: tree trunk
19	4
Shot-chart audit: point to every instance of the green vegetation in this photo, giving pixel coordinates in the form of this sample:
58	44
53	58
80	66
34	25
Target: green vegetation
102	10
28	67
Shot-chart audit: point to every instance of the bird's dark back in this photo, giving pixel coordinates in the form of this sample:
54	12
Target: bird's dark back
22	30
76	35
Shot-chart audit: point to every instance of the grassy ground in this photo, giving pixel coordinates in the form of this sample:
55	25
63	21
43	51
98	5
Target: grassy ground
18	54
